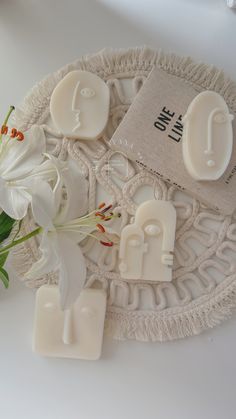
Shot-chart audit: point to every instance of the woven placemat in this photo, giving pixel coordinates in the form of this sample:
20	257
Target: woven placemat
203	290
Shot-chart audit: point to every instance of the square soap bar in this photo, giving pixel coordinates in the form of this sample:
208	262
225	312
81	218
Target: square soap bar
74	333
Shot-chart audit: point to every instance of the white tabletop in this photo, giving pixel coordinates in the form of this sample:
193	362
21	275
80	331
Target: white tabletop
193	378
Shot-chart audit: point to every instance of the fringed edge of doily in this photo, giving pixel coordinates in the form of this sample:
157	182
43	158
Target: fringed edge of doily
173	324
152	326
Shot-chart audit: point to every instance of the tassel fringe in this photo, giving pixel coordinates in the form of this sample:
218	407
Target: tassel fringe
173	323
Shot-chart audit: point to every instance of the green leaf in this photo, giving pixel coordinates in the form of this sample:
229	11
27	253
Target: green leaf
6	225
4	277
18	230
3	258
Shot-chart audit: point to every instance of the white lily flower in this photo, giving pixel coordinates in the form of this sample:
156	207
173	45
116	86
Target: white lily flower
61	254
59	247
24	175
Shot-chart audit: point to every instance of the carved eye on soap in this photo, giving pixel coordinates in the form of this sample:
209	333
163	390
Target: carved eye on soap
152	230
87	92
135	241
79	105
207	136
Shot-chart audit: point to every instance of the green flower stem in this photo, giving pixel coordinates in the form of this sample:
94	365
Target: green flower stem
12	108
21	240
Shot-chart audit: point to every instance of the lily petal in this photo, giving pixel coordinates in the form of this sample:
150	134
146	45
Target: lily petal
60	167
14	201
42	203
49	260
45	171
22	156
72	273
76	187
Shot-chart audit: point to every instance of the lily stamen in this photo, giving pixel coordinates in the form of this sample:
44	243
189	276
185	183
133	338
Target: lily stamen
101	228
18	135
108	244
13	133
101	205
4	130
106	209
90	220
99	214
12	108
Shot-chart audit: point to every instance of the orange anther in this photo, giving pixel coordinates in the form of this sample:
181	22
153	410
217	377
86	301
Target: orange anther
101	228
99	214
107	218
106	209
4	130
13	132
101	205
109	244
20	136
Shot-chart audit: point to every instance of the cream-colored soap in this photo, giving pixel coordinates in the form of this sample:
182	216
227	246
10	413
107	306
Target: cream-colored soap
74	333
146	246
207	136
79	105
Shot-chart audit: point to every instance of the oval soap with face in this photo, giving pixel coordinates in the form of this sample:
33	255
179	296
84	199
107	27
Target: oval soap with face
79	105
207	136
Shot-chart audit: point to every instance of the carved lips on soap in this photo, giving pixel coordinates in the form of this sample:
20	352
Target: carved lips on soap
79	105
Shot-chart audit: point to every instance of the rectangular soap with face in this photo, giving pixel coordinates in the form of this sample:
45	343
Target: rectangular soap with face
151	134
73	333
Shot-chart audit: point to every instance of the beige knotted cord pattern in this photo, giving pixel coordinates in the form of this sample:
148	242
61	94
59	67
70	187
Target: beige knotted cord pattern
203	290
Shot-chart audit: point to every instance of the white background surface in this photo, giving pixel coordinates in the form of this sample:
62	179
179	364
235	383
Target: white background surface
189	379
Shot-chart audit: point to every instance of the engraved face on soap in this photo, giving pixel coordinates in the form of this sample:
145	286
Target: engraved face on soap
207	136
79	105
146	246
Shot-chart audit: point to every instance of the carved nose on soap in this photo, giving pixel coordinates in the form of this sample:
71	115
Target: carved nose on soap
68	329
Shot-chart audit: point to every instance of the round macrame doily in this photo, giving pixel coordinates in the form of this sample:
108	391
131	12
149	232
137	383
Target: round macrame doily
203	290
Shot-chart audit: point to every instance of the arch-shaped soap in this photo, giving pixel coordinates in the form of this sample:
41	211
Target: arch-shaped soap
207	136
79	105
146	246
